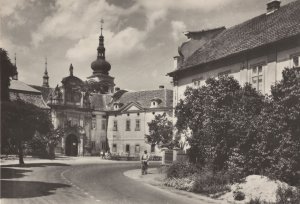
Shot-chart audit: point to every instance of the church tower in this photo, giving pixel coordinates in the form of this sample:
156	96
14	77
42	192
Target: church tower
100	78
46	77
15	76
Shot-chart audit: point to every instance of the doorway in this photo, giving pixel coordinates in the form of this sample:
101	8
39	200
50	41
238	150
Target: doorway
71	145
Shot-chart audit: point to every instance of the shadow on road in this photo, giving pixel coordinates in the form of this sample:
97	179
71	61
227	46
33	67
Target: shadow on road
28	189
10	173
34	165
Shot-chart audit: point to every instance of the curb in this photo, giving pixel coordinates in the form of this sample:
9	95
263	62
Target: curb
155	183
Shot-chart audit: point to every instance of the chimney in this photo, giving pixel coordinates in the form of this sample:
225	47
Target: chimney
161	87
272	6
117	89
176	62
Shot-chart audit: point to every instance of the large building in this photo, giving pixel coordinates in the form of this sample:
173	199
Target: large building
255	51
96	116
128	120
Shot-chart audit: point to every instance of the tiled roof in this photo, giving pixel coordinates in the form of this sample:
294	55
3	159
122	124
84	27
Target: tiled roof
46	91
20	90
35	99
21	86
144	97
261	30
100	101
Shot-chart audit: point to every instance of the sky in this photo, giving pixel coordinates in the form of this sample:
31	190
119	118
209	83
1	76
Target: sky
141	37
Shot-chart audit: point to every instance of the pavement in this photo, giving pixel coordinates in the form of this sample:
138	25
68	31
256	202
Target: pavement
82	180
155	178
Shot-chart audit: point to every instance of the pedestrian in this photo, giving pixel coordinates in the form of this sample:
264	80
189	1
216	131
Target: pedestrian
144	162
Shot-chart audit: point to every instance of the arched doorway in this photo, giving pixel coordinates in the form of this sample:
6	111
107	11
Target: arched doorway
71	145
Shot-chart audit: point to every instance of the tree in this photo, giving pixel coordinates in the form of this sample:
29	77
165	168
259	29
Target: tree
218	119
161	132
279	132
7	70
20	122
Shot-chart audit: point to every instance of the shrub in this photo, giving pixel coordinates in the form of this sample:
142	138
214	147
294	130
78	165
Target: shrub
181	183
255	201
181	170
208	182
288	195
238	195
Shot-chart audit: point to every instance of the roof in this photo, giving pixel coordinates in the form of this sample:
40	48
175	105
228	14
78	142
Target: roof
256	32
144	97
35	99
100	101
46	91
21	86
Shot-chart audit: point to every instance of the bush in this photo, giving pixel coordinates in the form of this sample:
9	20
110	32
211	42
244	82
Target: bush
256	201
208	182
288	195
238	195
181	170
181	183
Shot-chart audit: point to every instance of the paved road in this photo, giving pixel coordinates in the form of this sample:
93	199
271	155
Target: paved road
80	181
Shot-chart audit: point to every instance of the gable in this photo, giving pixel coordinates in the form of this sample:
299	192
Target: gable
133	108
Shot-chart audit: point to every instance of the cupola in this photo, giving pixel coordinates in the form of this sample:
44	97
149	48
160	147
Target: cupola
100	65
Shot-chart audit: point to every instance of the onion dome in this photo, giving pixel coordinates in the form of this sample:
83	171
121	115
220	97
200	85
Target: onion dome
100	65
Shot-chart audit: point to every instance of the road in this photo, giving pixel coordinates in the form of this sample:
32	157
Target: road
80	181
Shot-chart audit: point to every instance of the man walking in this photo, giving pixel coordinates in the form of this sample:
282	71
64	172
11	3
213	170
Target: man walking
144	161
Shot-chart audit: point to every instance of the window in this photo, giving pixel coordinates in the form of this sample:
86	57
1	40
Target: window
257	77
127	125
137	148
137	125
127	148
116	106
295	61
94	122
225	73
103	145
198	82
115	127
93	144
103	125
153	148
153	104
114	149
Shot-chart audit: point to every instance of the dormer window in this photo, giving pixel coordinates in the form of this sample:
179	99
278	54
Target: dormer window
155	102
117	106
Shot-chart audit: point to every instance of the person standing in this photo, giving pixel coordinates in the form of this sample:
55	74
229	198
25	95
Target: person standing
144	162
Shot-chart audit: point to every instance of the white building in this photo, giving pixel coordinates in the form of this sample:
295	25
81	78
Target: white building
255	51
129	117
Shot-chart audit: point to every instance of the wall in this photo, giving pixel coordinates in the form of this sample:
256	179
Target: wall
273	61
121	137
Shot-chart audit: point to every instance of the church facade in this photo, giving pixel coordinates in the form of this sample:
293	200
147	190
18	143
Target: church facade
86	110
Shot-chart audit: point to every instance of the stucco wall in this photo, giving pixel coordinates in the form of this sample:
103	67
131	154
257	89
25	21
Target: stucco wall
121	137
273	65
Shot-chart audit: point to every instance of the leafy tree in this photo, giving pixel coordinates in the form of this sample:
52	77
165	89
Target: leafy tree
161	132
7	70
218	118
43	145
279	134
21	121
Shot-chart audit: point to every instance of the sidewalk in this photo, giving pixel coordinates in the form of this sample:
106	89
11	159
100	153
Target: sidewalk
155	179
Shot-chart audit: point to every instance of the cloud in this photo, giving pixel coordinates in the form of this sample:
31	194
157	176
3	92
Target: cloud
76	19
8	7
178	27
118	45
